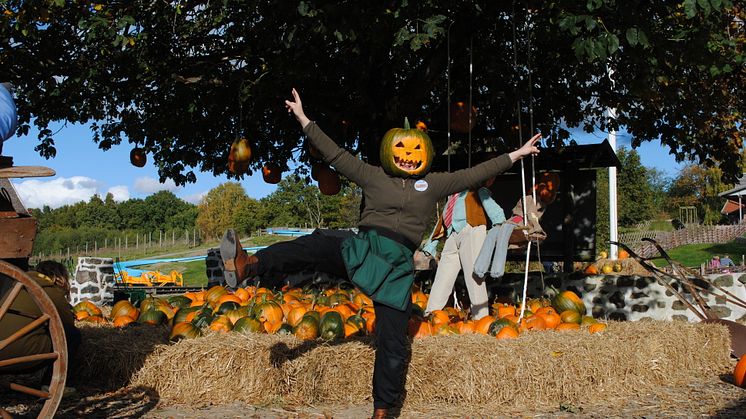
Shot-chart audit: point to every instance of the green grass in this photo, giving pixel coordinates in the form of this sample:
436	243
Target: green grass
695	254
194	272
661	225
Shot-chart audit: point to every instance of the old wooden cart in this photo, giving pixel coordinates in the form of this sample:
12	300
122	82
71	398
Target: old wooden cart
17	232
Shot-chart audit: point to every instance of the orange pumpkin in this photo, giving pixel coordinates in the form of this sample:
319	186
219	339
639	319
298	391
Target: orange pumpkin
591	270
739	374
419	299
550	317
465	327
361	299
597	328
567	326
268	311
462	120
419	328
271	173
239	156
483	325
138	158
122	321
88	307
183	331
507	332
295	315
307	329
504	310
438	317
221	324
534	322
228	297
568	300
571	316
328	179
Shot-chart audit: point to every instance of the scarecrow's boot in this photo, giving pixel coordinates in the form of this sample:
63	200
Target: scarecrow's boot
237	264
380	413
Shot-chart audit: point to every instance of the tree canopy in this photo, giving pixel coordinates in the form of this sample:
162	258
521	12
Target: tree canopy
183	79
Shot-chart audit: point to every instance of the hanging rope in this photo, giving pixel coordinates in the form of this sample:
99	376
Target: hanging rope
520	140
529	29
471	72
448	92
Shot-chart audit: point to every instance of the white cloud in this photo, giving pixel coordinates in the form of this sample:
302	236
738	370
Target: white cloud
57	192
121	193
149	185
195	197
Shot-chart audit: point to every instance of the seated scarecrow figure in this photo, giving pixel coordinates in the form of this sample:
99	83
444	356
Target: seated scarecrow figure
379	258
53	277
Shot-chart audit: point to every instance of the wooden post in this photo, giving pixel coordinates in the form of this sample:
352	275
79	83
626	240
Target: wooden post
173	237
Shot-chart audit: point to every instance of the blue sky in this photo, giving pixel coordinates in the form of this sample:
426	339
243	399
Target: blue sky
83	170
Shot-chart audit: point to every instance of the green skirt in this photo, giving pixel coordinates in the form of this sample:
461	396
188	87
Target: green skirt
382	268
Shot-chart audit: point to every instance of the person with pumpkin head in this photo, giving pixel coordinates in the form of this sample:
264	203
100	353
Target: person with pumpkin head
379	258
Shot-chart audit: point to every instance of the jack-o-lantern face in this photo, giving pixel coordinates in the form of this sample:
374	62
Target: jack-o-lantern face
547	187
406	152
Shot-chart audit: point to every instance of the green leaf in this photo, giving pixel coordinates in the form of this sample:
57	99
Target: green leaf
705	6
642	38
632	36
592	5
716	4
567	23
590	23
613	44
303	8
690	8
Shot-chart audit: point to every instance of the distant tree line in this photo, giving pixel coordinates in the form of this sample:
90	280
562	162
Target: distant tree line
645	194
164	216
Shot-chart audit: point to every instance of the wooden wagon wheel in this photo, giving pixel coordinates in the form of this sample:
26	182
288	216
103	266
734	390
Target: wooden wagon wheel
20	279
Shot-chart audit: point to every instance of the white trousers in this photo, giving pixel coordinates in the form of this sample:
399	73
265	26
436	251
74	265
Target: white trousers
459	252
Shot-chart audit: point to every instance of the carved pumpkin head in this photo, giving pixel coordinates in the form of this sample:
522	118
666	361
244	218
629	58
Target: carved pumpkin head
547	186
406	152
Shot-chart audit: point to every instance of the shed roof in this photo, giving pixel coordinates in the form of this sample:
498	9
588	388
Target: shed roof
739	189
574	157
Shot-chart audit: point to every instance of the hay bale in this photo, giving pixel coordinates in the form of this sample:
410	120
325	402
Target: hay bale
538	369
217	368
544	368
108	357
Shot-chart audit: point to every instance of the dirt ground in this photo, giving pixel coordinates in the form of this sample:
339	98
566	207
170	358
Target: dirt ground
717	398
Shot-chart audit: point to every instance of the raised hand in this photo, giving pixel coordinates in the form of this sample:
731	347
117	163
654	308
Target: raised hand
528	148
296	108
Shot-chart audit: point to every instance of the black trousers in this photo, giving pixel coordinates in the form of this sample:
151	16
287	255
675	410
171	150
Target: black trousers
320	251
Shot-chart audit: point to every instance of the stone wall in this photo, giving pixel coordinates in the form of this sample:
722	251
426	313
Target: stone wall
214	266
93	280
635	297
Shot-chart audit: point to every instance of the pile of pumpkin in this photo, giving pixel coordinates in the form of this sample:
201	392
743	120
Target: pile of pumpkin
606	266
332	313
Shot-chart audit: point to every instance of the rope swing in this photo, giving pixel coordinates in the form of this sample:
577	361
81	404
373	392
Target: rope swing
519	107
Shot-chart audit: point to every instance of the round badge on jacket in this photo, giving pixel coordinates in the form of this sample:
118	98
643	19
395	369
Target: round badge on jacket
421	185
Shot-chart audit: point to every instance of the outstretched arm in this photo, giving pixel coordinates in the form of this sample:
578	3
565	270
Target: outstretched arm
296	108
339	158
